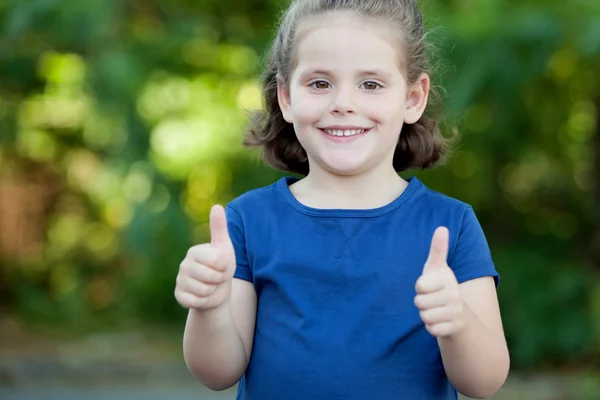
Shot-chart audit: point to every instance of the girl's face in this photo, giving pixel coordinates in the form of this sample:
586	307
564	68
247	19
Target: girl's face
347	96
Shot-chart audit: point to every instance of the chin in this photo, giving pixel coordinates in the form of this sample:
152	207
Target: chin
347	164
345	170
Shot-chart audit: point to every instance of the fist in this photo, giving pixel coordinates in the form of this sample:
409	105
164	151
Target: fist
205	275
438	296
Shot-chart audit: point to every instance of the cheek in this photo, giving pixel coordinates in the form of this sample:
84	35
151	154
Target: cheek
386	111
307	108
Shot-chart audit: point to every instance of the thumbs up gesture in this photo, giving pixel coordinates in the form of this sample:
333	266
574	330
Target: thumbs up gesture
438	296
205	275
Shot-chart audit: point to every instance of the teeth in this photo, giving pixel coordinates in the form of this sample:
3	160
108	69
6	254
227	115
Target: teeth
349	132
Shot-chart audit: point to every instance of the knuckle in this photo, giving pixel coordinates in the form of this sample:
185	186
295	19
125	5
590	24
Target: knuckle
435	330
191	252
182	298
420	285
419	302
431	329
181	284
199	303
185	267
182	281
182	267
439	329
206	290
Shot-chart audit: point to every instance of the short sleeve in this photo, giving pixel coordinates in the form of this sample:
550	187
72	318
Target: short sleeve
235	225
471	257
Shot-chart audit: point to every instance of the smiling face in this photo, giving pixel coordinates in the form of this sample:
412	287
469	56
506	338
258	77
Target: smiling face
347	96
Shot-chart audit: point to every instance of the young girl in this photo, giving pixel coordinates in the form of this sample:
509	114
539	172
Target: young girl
350	283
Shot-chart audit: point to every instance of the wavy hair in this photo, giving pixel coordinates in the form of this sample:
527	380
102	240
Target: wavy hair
420	145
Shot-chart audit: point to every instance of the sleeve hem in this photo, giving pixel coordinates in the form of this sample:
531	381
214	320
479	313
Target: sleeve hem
479	274
243	273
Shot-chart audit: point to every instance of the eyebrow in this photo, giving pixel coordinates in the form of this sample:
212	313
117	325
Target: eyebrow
369	72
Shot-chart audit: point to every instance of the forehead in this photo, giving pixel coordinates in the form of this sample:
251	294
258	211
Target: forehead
345	40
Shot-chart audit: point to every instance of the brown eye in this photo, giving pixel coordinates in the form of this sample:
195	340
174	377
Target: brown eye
320	85
370	85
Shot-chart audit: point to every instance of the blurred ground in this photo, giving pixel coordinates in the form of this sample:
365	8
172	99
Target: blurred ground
148	365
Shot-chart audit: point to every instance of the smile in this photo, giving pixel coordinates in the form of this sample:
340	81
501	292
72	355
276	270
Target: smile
344	132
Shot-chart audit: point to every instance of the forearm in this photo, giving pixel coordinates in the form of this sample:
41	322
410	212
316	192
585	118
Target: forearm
213	349
476	360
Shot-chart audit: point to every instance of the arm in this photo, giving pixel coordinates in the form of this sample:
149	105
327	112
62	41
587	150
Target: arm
219	331
217	343
476	358
465	319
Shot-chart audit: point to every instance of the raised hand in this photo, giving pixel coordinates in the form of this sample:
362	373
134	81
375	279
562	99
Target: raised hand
204	278
438	296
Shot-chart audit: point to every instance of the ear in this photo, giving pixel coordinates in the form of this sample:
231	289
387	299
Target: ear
417	99
284	99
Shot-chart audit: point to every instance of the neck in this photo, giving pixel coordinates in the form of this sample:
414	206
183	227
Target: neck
371	189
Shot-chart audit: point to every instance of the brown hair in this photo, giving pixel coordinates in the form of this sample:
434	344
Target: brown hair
420	145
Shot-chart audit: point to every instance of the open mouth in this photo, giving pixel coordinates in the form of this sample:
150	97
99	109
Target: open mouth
344	132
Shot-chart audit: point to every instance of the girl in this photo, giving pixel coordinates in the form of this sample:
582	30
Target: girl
350	283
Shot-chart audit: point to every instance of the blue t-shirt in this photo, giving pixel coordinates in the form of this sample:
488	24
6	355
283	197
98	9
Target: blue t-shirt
336	317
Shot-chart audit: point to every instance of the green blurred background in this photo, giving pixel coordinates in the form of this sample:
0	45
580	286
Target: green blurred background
121	124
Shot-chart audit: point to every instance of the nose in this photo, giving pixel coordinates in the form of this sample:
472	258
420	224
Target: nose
343	101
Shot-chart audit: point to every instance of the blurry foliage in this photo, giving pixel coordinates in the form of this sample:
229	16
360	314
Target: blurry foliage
121	124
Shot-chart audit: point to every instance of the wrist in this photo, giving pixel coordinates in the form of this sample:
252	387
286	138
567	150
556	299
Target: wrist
216	316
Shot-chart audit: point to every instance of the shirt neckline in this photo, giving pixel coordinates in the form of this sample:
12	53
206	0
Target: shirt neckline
283	187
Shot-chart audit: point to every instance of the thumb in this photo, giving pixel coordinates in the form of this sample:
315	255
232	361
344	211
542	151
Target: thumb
219	235
438	253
